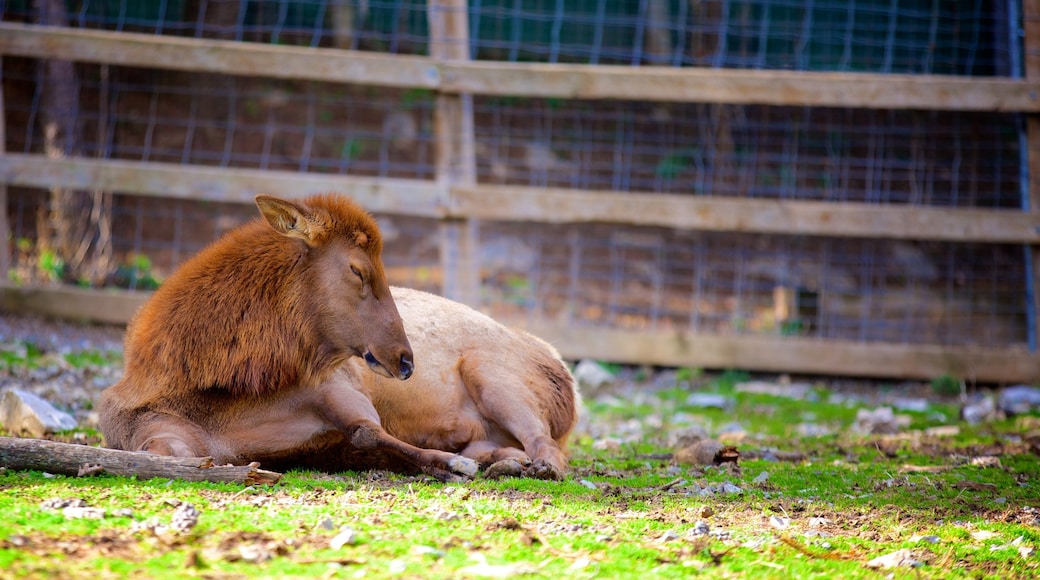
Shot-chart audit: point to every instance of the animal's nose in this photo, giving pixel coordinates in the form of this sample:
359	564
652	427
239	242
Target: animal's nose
407	366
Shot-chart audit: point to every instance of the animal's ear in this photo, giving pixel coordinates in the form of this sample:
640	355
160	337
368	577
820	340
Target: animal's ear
287	218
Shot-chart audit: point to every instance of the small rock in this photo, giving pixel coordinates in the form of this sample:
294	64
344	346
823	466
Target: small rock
83	513
607	444
588	484
812	430
185	518
943	431
986	461
669	536
929	539
916	405
253	553
792	390
709	401
685	437
22	412
325	524
591	375
1019	399
706	512
346	537
880	421
700	529
62	503
727	487
704	452
760	478
979	409
428	551
779	522
897	559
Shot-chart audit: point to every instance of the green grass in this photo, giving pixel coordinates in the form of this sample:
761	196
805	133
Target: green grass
625	512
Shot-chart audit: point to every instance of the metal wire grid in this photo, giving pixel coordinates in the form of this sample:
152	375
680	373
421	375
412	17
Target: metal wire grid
152	236
842	155
381	25
964	37
717	283
234	122
845	155
908	37
868	290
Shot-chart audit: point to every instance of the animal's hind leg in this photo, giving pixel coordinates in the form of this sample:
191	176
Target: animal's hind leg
515	408
164	434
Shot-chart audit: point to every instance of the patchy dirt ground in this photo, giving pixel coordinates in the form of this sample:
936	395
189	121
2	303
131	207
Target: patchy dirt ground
826	484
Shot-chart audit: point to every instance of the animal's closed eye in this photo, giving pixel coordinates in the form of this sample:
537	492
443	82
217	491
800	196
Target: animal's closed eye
357	272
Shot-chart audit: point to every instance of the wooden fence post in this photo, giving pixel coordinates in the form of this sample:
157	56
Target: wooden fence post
5	227
1031	26
455	152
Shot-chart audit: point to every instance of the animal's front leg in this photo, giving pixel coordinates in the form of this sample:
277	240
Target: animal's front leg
354	414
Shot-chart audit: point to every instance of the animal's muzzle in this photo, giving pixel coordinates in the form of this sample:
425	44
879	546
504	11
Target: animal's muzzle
405	366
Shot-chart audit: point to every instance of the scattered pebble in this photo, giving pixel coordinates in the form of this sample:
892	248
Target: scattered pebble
709	401
779	522
346	537
928	539
1019	399
700	529
591	375
760	478
425	551
588	484
898	559
668	536
83	513
980	409
185	518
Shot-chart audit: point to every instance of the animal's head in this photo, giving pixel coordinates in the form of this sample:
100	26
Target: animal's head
345	277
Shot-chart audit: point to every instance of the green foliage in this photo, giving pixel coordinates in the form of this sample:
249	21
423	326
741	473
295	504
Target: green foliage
946	386
51	266
137	274
351	149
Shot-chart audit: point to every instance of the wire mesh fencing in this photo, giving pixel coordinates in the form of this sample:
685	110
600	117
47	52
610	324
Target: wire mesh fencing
870	290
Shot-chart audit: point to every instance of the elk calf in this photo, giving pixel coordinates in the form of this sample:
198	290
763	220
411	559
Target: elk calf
282	343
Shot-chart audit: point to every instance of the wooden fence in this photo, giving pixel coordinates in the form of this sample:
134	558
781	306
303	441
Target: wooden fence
455	196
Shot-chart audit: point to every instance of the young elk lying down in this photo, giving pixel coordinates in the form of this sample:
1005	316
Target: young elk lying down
282	343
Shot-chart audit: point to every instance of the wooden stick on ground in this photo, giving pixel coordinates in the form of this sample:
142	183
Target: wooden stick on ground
71	459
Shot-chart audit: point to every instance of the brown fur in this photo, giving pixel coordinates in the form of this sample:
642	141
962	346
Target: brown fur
263	347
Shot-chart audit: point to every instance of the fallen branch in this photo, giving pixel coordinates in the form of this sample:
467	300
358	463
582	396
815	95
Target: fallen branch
76	460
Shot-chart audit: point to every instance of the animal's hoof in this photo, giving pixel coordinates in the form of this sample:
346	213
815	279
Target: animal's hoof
541	469
463	466
504	468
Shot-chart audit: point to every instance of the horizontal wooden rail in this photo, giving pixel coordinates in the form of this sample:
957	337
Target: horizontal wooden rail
217	56
762	353
791	355
399	196
514	203
733	86
840	219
